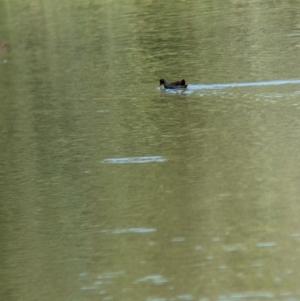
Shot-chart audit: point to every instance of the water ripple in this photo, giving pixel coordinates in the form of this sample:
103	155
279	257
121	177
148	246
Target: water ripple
147	159
247	295
156	279
243	84
130	230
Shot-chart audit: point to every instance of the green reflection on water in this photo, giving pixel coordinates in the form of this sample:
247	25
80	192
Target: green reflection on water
78	86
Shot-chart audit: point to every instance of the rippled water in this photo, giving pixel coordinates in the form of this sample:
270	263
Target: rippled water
112	189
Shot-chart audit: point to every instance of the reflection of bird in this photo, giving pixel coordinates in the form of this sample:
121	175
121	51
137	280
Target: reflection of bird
173	85
3	47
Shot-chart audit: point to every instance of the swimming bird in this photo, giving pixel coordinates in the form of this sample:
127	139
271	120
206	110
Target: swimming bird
180	84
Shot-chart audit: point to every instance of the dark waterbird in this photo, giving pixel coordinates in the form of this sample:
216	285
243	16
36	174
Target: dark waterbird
180	84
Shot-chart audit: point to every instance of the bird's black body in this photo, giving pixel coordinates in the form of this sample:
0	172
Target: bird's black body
180	84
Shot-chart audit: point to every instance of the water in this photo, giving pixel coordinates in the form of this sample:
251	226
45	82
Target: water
114	190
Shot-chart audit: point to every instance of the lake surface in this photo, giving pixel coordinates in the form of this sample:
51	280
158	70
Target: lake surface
112	189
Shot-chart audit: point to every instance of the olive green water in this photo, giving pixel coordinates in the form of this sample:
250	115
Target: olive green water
113	190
